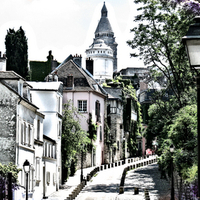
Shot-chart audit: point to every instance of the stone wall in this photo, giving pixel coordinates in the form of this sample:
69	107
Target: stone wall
8	106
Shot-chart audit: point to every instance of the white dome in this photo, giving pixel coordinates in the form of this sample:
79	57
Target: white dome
99	45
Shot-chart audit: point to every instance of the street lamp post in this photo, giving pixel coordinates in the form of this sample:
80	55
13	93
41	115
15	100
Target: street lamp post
82	151
192	44
26	167
81	165
172	170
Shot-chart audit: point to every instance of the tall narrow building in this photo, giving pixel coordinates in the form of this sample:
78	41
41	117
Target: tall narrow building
103	52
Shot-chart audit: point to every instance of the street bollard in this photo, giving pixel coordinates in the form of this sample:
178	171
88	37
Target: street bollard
70	197
136	190
121	189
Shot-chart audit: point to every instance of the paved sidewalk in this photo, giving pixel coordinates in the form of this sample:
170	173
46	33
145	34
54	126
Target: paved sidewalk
70	185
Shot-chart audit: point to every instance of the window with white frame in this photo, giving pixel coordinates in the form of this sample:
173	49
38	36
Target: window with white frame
82	106
45	149
97	111
26	134
29	136
100	137
59	128
59	100
22	133
49	150
37	169
38	129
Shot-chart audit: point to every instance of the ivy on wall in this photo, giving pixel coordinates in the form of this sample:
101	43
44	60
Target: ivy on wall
92	131
131	103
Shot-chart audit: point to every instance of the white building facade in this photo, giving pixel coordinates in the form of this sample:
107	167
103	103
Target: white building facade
21	135
88	97
102	56
48	97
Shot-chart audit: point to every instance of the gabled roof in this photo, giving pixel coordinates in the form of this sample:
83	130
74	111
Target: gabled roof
10	75
83	80
21	98
114	93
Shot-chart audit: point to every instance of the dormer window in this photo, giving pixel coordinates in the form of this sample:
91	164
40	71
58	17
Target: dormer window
95	87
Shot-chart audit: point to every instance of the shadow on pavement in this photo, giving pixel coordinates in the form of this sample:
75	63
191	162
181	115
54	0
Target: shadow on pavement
112	188
148	177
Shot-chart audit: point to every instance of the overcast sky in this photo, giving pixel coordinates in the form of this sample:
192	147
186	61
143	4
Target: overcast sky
67	26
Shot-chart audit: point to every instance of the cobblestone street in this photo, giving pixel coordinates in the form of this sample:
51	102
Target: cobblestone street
106	185
149	178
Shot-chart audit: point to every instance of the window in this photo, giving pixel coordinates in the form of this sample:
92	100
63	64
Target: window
100	133
82	106
38	129
45	149
25	134
97	111
26	131
22	135
54	151
37	169
29	136
59	128
49	150
54	178
118	145
59	104
48	177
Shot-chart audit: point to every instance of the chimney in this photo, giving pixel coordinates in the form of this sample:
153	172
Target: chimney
78	59
89	65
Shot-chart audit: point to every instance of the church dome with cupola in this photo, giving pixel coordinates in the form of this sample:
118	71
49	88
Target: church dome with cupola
101	56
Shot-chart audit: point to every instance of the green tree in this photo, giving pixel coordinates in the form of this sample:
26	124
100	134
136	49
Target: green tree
4	169
73	139
183	134
157	41
17	52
